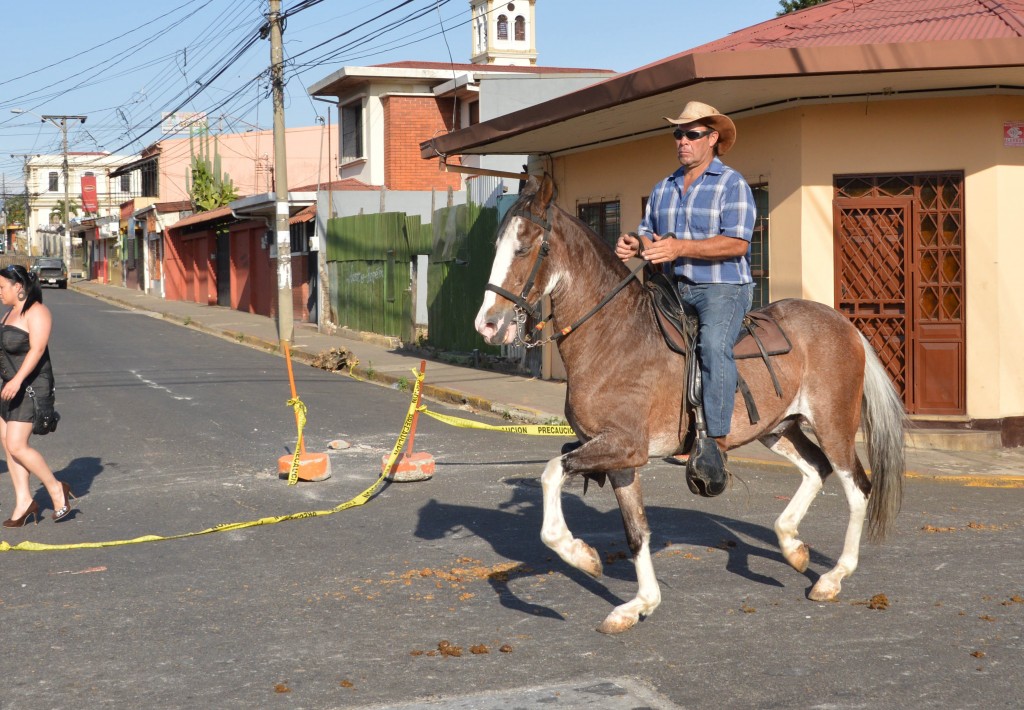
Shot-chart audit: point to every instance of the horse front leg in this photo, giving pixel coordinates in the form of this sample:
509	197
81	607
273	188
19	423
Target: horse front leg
555	533
626	485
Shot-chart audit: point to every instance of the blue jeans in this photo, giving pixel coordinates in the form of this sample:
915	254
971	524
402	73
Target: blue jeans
720	310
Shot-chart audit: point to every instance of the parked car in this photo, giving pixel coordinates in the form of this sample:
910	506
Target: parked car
51	271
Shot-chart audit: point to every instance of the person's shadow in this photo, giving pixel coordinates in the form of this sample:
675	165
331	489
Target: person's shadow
513	531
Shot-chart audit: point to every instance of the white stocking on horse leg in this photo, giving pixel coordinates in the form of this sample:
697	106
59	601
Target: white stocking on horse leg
828	585
638	535
787	526
555	533
648	596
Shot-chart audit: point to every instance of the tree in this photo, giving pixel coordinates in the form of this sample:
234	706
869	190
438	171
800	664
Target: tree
57	213
789	6
15	207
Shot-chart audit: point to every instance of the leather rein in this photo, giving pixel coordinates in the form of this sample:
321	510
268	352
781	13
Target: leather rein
522	307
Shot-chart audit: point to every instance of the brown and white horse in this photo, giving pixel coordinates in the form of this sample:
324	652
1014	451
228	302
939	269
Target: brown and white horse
625	392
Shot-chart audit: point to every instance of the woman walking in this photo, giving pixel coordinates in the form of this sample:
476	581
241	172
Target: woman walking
27	377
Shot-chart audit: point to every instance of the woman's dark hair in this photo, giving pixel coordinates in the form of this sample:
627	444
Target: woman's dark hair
29	281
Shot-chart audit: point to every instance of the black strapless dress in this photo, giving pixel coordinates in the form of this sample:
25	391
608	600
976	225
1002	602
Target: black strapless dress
20	408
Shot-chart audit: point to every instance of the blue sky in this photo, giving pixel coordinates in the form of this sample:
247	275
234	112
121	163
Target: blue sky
122	62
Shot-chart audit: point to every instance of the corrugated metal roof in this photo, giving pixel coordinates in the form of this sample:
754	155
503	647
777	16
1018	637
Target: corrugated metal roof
855	22
201	217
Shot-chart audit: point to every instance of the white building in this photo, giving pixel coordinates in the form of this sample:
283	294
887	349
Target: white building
45	186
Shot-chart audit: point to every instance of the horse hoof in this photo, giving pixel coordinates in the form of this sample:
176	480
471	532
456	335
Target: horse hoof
616	623
799	558
587	560
824	592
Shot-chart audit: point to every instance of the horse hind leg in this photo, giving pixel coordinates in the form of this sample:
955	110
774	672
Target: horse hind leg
554	531
626	485
793	444
843	454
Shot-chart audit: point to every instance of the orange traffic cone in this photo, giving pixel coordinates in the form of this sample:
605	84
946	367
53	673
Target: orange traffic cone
309	467
411	466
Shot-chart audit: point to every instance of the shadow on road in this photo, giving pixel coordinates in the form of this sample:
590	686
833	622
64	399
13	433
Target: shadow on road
512	529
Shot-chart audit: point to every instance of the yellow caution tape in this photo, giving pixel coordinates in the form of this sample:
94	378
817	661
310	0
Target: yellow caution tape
300	423
528	429
360	499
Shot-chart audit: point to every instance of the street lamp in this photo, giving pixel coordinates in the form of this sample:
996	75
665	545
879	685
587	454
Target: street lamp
61	122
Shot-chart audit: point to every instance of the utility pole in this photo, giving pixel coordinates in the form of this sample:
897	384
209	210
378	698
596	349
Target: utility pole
3	196
284	242
63	126
28	212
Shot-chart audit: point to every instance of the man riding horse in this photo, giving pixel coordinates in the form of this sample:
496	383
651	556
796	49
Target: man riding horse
709	210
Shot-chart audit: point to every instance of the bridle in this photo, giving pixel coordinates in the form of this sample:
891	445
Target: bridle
522	308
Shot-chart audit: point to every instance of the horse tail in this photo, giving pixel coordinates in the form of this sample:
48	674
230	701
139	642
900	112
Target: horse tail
884	419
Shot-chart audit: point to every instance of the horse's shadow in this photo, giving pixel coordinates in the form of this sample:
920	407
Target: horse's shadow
513	531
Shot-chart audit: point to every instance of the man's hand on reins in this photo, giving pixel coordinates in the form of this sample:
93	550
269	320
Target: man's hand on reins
630	245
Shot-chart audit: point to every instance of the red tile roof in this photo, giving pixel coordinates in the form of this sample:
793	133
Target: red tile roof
303	215
494	68
337	185
856	22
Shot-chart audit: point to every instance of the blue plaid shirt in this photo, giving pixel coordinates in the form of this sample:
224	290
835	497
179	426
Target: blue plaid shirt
719	203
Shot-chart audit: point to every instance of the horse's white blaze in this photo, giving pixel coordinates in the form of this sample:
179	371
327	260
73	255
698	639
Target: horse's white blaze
505	253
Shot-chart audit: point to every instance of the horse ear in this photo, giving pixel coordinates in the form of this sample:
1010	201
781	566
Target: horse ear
546	192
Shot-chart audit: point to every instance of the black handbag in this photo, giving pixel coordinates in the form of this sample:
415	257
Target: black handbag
46	417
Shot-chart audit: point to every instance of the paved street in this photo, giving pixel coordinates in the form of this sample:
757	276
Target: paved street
440	593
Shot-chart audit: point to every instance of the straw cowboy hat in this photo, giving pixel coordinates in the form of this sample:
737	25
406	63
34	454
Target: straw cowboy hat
696	112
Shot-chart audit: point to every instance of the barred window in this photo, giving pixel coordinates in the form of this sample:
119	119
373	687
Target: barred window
352	131
603	217
759	248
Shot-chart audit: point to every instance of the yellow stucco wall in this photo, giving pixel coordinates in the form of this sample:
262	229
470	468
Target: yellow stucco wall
799	151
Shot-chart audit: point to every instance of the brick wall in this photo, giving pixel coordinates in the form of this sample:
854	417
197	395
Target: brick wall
408	121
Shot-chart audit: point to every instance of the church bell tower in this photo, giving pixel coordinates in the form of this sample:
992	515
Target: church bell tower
504	32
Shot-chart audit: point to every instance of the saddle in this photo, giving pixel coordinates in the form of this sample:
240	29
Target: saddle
760	335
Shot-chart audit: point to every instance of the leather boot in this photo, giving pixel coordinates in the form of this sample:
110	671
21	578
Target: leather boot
706	474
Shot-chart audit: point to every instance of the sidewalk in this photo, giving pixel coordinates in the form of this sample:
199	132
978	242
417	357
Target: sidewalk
523	398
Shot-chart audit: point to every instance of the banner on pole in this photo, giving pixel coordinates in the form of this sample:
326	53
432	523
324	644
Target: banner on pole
89	201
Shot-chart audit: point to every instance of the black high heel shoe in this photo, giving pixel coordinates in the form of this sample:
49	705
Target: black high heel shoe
65	510
33	510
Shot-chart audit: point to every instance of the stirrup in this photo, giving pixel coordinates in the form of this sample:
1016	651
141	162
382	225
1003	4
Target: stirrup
706	474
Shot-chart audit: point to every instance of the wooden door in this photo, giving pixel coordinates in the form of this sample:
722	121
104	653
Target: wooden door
872	261
899	263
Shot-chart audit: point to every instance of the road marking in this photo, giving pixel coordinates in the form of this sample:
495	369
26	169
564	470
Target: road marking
154	385
602	693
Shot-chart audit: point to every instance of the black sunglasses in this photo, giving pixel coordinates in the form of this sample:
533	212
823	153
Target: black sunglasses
691	135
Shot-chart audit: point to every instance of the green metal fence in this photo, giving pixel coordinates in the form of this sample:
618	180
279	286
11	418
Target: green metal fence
369	260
